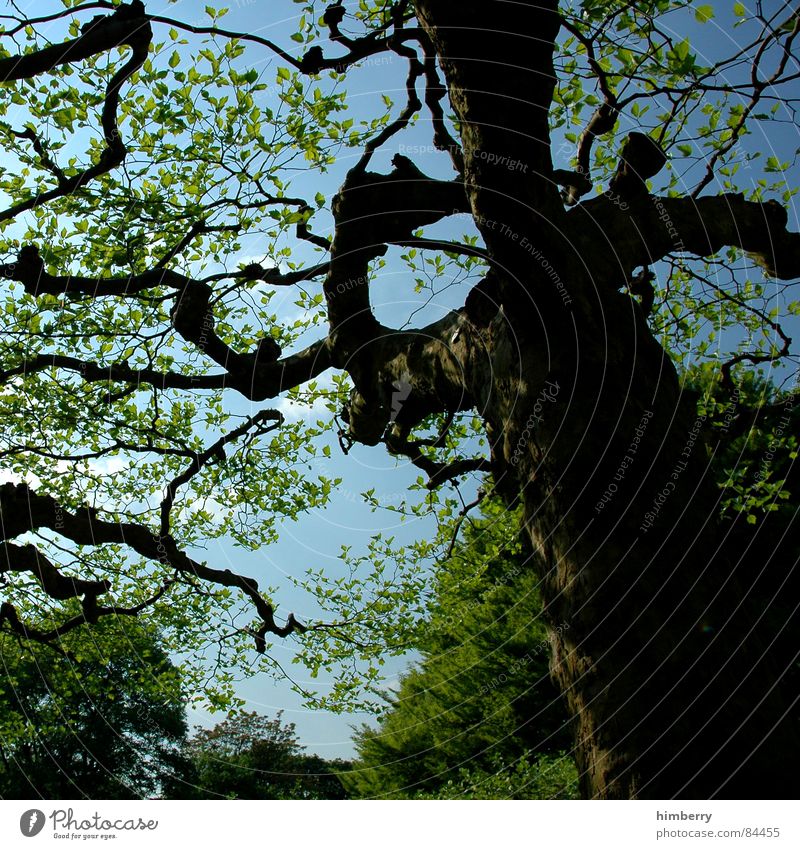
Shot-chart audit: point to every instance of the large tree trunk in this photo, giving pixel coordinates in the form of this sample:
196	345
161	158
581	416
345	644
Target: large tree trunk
657	642
656	636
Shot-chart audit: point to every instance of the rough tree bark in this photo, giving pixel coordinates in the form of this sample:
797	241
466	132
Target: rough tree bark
672	693
672	689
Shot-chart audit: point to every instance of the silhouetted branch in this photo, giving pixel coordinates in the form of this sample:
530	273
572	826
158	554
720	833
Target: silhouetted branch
127	26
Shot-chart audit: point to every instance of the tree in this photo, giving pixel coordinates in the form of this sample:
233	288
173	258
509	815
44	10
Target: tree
251	757
480	703
753	458
100	717
526	777
128	326
465	722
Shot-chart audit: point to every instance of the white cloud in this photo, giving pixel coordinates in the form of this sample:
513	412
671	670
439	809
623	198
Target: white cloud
297	411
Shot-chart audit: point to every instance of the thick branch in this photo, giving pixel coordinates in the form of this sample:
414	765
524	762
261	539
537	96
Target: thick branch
435	92
314	61
602	121
271	275
502	108
30	271
650	228
115	373
91	612
257	375
253	380
438	473
127	26
372	210
27	558
21	510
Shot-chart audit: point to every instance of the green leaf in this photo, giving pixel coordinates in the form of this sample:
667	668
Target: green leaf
704	13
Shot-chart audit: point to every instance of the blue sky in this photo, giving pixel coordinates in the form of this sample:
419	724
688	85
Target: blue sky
315	540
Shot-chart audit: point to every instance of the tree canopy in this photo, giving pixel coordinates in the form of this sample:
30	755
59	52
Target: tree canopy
249	756
599	201
103	717
481	699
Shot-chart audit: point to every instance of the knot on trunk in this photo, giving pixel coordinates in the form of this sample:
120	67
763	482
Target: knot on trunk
640	159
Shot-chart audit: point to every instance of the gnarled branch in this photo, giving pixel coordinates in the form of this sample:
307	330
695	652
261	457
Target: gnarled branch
127	26
22	509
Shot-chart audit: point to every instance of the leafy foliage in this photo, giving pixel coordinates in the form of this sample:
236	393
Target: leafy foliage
104	719
529	777
229	157
479	713
249	756
753	445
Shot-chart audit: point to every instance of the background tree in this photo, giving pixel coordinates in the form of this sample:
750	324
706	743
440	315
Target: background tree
100	717
478	714
128	327
753	444
469	720
525	777
251	757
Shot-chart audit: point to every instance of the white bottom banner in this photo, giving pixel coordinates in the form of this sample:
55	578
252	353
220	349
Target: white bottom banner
379	824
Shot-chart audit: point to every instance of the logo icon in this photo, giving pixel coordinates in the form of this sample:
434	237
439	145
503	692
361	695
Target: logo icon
31	822
402	389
